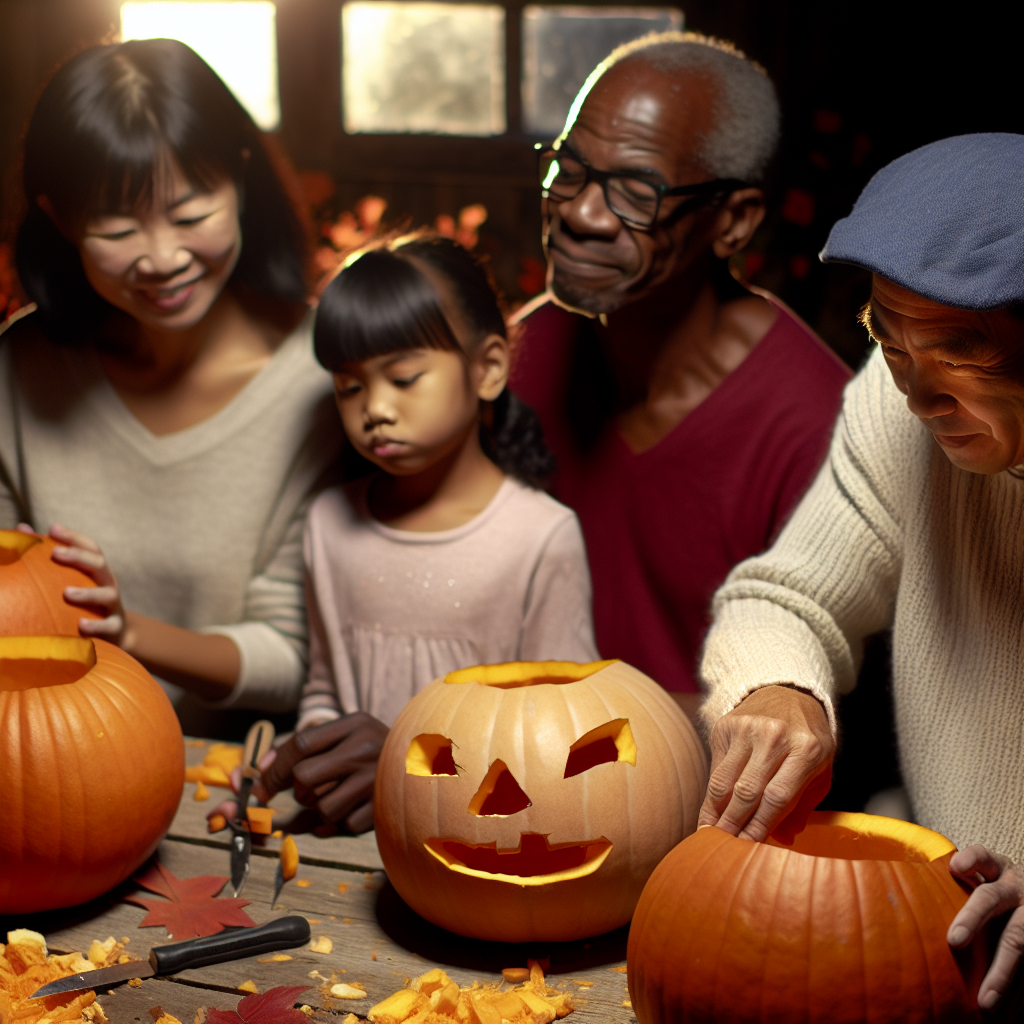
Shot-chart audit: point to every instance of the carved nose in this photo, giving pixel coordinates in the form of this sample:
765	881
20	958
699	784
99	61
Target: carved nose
499	794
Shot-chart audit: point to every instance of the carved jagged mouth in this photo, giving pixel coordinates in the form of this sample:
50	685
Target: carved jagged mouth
536	862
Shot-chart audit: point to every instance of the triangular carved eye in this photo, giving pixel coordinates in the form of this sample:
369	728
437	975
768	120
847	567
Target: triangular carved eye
610	742
430	754
499	793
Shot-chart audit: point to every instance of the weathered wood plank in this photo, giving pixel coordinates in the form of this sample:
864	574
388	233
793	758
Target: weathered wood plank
376	939
358	852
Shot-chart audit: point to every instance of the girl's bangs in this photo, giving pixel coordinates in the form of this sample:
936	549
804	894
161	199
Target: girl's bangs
378	305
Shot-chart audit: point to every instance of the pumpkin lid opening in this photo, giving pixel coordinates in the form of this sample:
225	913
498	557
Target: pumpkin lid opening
841	835
31	662
511	674
14	543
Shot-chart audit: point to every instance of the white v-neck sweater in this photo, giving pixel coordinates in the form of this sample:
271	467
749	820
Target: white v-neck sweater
891	533
202	527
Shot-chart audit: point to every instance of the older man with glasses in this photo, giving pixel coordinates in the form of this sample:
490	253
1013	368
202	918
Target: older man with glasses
687	413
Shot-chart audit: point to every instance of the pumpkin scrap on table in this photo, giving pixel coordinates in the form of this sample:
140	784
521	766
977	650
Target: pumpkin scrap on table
192	907
433	998
26	965
220	760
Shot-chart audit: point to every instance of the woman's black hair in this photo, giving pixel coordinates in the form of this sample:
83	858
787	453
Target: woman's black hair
383	302
105	122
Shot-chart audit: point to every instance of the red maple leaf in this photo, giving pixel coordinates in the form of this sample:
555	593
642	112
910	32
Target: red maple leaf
272	1007
191	908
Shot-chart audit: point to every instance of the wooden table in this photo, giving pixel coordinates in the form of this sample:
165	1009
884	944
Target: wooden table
378	940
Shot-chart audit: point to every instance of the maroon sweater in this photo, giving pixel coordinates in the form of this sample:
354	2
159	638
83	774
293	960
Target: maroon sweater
663	528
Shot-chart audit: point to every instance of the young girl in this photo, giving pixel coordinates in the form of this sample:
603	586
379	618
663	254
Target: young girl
448	557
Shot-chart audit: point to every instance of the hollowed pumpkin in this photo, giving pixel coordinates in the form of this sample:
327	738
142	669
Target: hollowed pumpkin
846	925
532	800
92	764
32	588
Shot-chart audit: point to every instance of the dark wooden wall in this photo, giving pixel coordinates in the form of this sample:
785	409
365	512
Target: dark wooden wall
860	83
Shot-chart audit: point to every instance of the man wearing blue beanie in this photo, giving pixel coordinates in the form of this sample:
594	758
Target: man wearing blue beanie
916	521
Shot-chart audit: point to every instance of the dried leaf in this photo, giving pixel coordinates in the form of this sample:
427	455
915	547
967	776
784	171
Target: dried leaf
342	887
191	908
621	969
350	1018
248	986
303	883
275	959
275	1006
321	944
201	793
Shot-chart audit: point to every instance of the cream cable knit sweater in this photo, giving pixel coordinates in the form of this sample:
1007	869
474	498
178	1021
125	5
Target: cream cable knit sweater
892	534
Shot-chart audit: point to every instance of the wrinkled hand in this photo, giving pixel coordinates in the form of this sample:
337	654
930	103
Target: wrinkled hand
1000	890
332	768
771	764
81	552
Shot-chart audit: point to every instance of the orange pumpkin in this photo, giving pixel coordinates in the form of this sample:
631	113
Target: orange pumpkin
847	925
530	801
32	588
92	764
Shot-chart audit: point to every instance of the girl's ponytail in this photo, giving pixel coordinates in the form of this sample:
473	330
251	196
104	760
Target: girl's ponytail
514	441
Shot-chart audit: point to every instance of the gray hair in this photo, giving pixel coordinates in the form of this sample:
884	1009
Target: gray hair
746	110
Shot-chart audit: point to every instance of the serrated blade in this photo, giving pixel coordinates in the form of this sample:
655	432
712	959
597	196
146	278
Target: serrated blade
100	978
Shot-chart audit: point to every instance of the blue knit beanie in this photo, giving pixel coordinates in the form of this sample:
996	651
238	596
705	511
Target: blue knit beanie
946	221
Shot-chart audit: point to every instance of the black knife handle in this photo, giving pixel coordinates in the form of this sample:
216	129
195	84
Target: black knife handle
284	933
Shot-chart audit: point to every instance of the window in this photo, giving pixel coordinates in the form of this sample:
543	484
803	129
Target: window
562	45
410	66
237	38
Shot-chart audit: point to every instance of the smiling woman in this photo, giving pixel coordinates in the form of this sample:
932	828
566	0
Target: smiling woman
166	421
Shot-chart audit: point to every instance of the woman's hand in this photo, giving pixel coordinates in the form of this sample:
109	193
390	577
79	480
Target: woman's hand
81	552
999	890
771	760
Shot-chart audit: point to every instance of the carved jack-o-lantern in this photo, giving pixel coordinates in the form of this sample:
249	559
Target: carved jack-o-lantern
533	800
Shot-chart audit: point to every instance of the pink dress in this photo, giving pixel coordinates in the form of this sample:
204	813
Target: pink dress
391	610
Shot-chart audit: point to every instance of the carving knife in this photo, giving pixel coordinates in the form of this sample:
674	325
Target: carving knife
258	741
230	944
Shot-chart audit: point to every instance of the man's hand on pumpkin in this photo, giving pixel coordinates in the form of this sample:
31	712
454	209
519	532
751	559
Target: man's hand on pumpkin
332	768
84	553
771	758
999	890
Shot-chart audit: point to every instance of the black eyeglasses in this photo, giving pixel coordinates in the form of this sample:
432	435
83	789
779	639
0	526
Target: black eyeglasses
632	198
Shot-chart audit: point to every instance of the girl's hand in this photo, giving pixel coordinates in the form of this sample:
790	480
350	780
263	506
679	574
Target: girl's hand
331	768
84	553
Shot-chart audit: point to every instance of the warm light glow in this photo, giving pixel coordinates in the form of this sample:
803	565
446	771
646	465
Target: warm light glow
237	38
411	66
